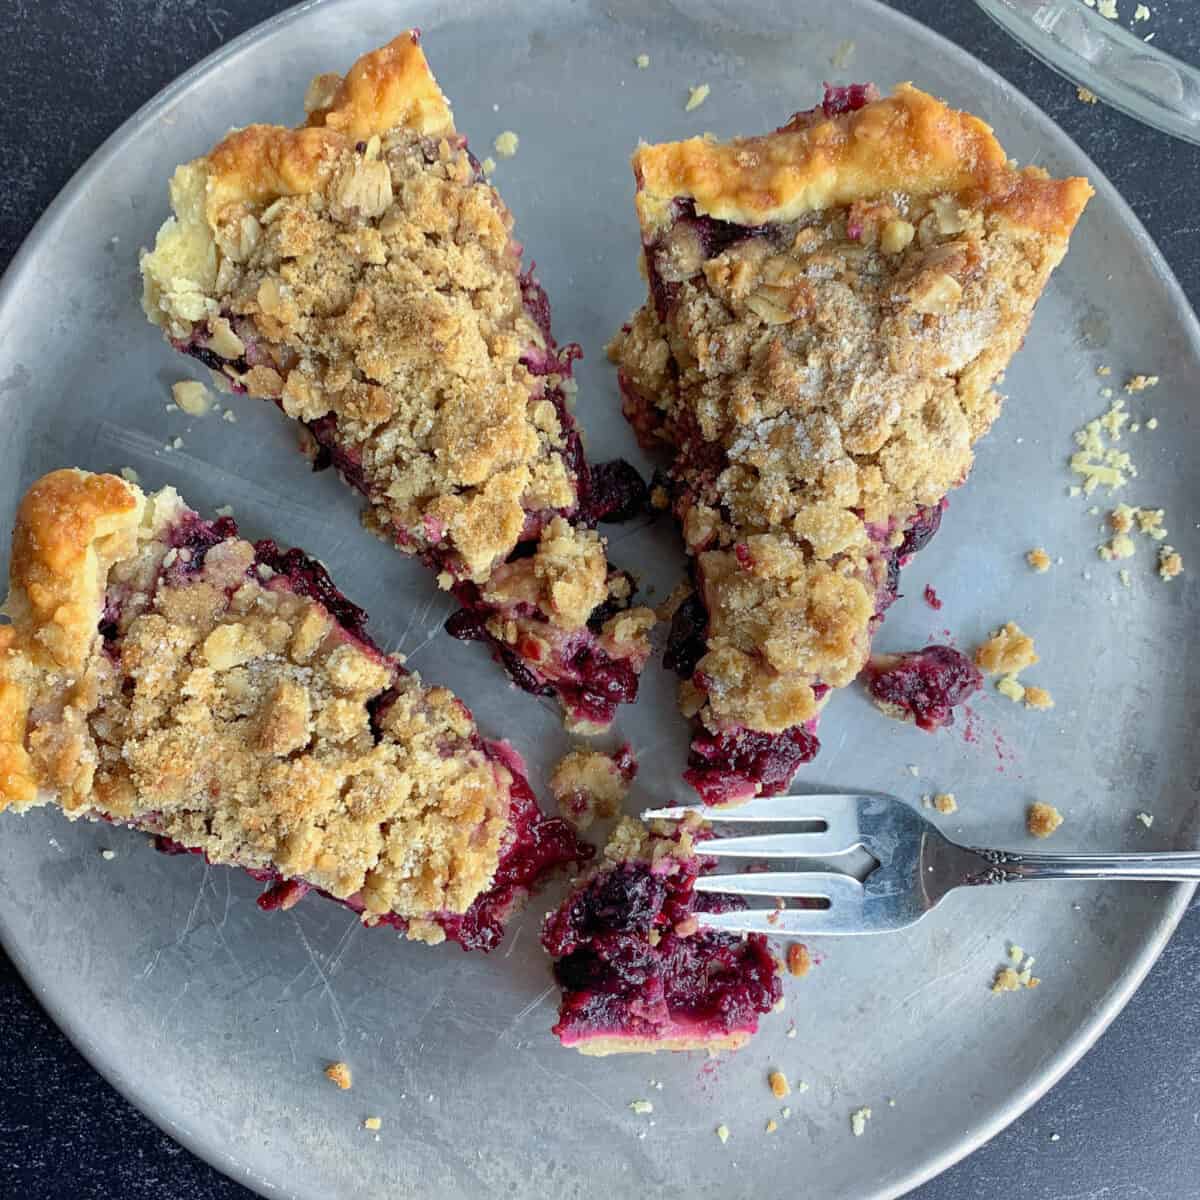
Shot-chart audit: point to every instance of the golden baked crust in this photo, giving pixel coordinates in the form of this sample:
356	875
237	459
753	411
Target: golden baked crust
908	142
821	376
603	1046
360	271
224	710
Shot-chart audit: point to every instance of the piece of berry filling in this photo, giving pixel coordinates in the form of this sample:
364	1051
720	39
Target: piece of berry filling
923	686
631	963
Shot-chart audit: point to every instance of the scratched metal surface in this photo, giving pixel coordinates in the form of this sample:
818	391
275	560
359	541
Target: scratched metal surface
217	1019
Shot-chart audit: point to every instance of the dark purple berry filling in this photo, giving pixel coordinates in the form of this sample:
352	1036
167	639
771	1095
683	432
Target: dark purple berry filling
924	684
616	983
736	764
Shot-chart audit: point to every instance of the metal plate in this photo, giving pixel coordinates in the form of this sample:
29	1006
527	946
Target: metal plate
217	1019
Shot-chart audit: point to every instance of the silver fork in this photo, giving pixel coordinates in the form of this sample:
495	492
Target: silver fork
916	865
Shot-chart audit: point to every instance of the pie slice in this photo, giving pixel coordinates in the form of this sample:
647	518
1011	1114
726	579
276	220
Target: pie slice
829	307
361	272
636	973
163	673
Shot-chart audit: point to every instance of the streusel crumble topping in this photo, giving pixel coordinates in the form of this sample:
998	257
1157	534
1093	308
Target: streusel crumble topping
829	308
162	672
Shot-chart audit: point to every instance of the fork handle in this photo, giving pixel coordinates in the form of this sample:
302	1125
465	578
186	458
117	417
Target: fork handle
1006	866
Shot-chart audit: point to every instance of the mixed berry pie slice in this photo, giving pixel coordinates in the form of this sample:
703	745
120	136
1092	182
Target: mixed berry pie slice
635	971
829	307
360	272
160	672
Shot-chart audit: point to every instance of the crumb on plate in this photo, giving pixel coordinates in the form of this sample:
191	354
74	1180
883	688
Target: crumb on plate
641	1107
799	962
506	144
642	61
1042	819
696	97
1146	819
339	1073
192	397
722	1132
945	803
779	1085
1009	650
1170	563
1039	560
373	1123
1086	95
1139	383
858	1120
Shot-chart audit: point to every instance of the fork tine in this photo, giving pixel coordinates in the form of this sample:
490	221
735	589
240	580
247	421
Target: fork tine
807	806
837	812
837	921
830	885
824	843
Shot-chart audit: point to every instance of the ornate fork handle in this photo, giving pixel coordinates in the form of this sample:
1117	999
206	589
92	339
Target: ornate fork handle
1005	866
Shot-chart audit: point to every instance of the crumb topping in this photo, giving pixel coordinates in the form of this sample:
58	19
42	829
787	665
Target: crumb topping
779	1085
225	711
371	280
1039	560
1042	819
1008	651
589	785
820	379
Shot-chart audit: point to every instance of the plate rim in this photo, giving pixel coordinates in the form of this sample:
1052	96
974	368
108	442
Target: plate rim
1176	897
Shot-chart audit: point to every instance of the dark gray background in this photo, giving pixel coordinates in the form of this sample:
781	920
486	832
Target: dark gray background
1127	1118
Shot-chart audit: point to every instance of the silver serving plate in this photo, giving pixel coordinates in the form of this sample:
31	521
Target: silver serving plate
217	1019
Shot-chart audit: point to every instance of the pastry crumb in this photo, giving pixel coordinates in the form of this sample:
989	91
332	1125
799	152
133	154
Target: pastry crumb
799	961
1006	980
1103	370
108	855
1152	423
1039	560
642	61
339	1073
130	475
772	1125
1139	383
1042	819
1086	95
1101	464
1011	687
1146	819
589	785
1120	546
1037	698
858	1120
488	165
373	1123
945	803
1008	651
696	97
722	1132
506	144
1141	13
1108	8
842	55
192	397
229	415
779	1085
1170	563
802	1087
641	1107
1125	578
226	510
